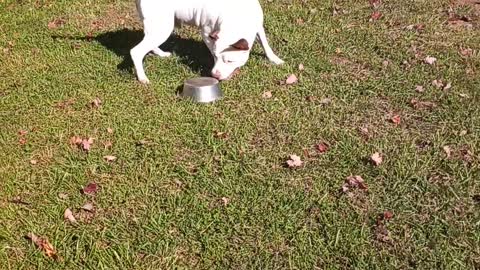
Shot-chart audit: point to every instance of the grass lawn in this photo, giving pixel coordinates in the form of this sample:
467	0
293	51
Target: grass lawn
207	186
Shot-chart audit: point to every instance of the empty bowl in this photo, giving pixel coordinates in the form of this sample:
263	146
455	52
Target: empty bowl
202	89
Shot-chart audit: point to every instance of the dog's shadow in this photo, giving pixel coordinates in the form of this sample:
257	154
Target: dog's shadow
192	53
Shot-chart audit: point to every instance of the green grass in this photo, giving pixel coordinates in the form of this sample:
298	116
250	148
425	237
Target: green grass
160	205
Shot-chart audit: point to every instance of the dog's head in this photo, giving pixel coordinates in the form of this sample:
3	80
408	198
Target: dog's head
230	53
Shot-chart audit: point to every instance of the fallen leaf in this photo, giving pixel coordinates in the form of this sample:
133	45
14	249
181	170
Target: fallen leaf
301	67
463	133
88	207
68	215
225	201
91	189
382	234
22	141
107	144
375	3
86	144
110	130
55	23
321	147
110	158
96	103
18	200
33	162
447	87
267	94
292	79
22	132
376	159
447	150
75	140
419	105
354	182
300	21
311	98
466	52
460	21
294	161
325	101
396	119
430	60
419	89
438	83
376	15
63	196
43	245
387	215
221	135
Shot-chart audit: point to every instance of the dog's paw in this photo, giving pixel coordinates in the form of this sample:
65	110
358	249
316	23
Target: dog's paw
144	81
161	53
277	61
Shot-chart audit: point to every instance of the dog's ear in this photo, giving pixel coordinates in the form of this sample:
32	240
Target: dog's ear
214	35
241	44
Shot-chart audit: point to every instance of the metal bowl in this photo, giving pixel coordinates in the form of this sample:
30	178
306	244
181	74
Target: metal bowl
202	89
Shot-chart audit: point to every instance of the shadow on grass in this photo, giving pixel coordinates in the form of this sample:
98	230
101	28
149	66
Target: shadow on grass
192	53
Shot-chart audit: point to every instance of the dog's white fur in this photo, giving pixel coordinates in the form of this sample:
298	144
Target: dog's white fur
228	28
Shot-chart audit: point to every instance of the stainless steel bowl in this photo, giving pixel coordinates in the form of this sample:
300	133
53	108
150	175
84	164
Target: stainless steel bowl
202	89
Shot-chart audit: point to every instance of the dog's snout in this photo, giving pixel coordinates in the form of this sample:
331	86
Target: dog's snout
216	74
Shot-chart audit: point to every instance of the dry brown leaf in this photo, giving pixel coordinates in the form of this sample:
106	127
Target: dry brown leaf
55	23
107	144
387	215
68	215
110	158
430	60
447	150
267	94
396	119
44	245
225	201
294	161
419	105
96	103
87	143
376	159
322	147
376	15
91	188
33	162
354	182
466	52
88	207
419	89
292	79
63	196
438	83
301	67
75	140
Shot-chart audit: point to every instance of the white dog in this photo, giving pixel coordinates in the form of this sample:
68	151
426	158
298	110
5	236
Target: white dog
229	28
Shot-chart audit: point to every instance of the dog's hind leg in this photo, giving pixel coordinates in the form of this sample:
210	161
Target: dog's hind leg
262	38
156	32
159	52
